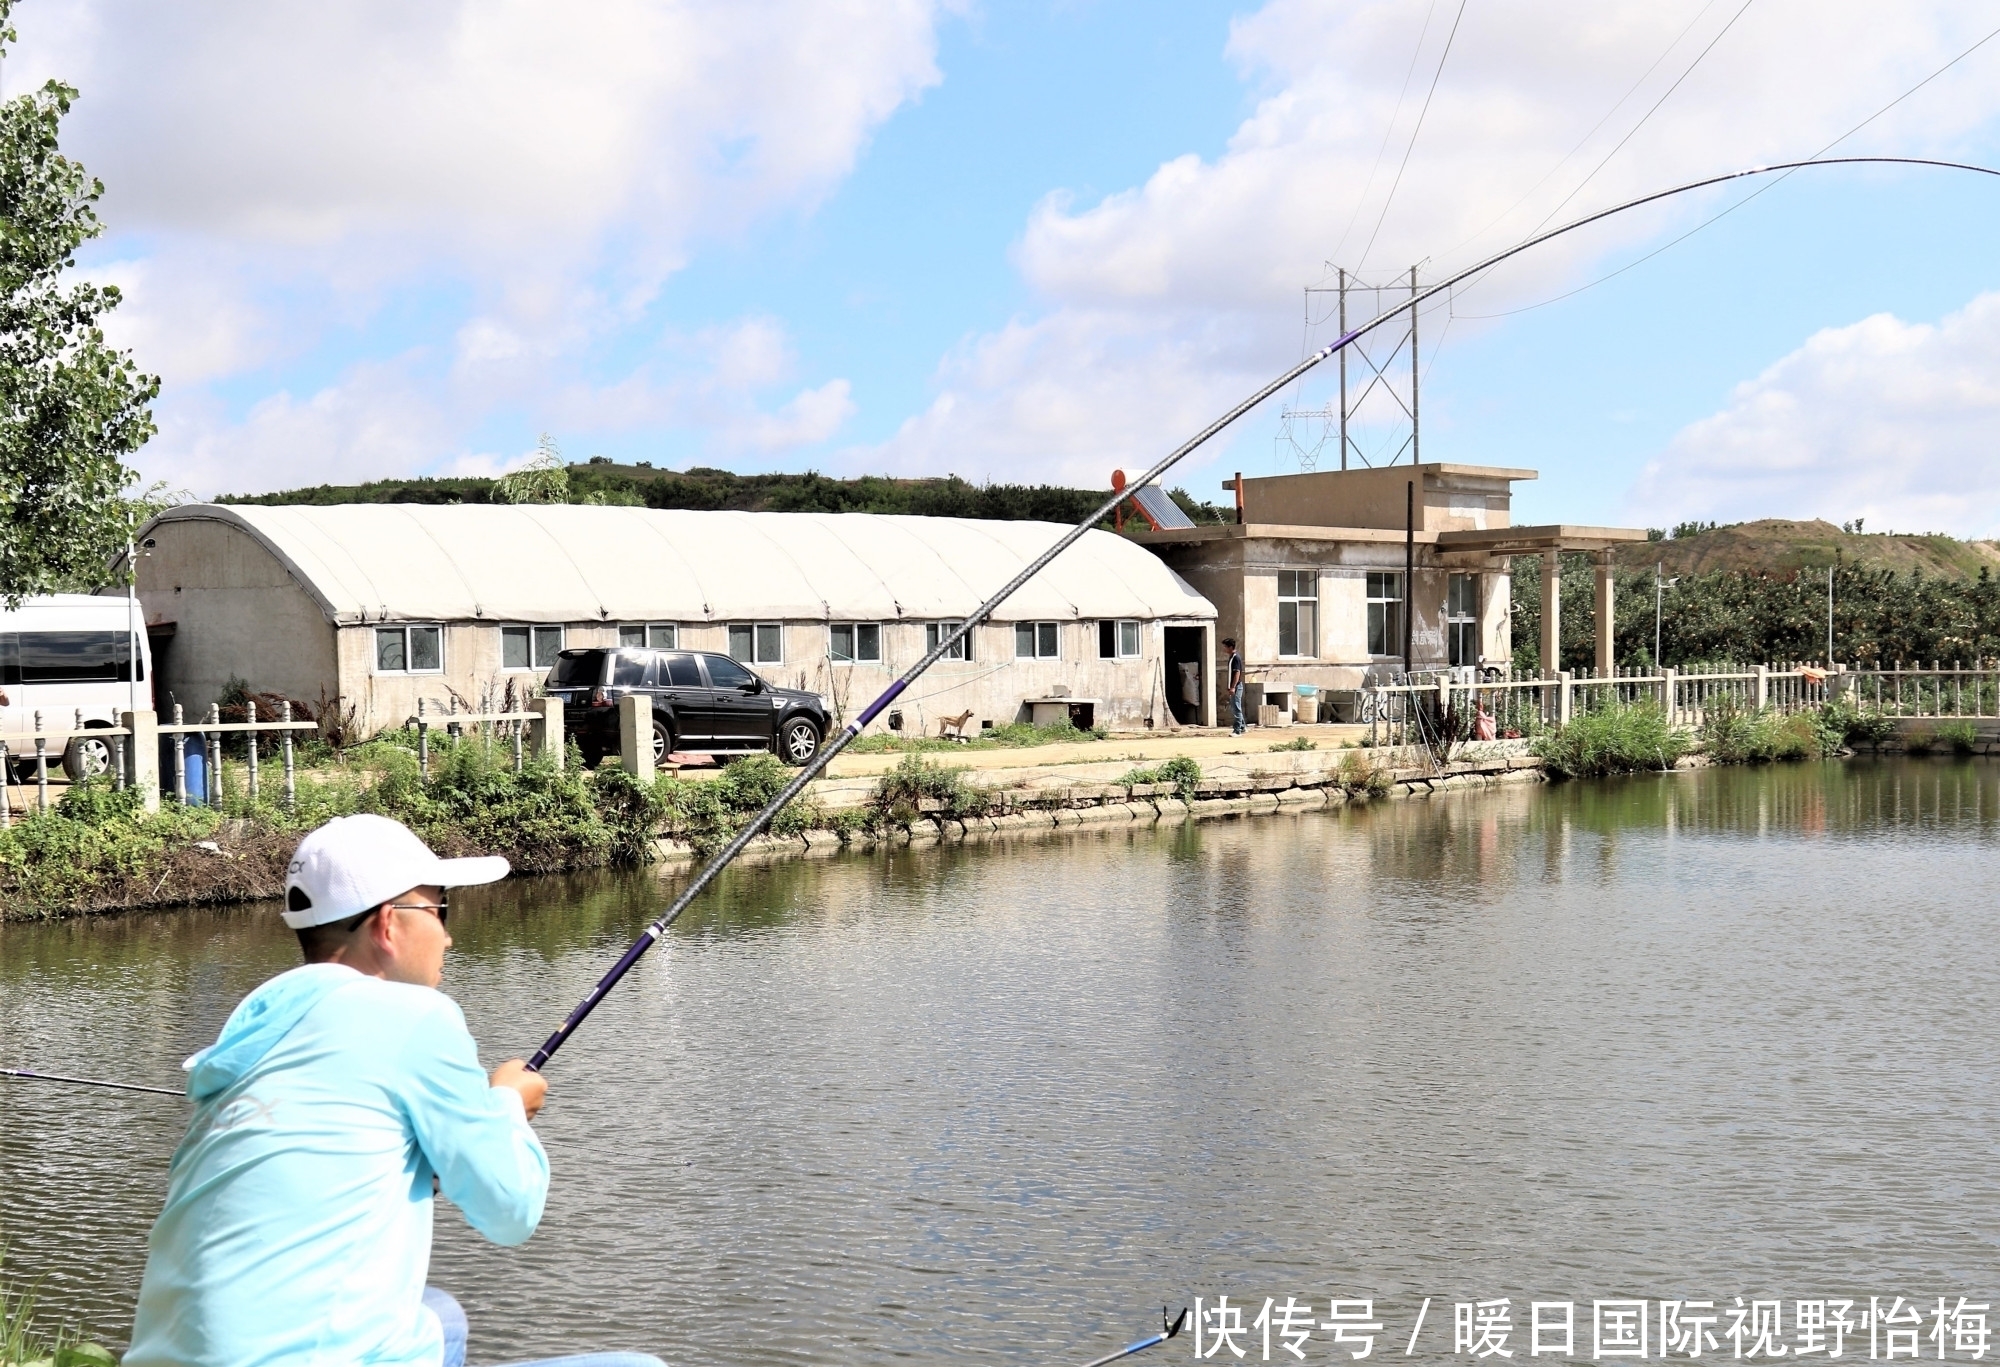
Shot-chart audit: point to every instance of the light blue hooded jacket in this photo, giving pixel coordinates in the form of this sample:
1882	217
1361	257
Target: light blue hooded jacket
297	1226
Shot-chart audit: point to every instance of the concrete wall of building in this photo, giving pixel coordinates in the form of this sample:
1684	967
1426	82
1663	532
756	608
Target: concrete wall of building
236	612
1448	498
993	685
1240	576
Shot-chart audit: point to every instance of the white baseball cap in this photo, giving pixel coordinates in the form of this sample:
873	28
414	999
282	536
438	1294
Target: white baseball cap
353	863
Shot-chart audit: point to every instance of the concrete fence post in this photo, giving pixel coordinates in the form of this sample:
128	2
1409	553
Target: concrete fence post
545	732
1763	687
635	736
1565	696
143	745
1670	695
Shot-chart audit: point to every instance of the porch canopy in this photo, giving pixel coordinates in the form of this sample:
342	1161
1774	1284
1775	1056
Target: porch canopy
1491	549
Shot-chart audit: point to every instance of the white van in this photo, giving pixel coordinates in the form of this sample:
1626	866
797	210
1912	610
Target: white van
65	652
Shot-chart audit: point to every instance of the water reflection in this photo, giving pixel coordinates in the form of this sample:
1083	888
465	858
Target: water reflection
1710	1034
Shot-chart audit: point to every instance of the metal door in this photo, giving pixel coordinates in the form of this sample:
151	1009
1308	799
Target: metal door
680	685
743	715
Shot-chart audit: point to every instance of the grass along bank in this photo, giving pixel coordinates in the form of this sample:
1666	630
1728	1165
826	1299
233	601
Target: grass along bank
1631	737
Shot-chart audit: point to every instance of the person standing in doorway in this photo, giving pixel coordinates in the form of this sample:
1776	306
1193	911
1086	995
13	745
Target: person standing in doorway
1235	687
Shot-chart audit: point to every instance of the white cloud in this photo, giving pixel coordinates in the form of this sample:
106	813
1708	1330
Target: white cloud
1891	421
1192	279
521	178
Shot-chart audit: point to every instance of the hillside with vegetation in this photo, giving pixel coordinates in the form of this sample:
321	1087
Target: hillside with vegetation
1778	546
601	481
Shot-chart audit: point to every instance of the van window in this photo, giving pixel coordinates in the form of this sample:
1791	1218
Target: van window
577	669
51	657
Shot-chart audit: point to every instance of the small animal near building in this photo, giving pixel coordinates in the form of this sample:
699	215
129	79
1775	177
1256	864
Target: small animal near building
1316	575
381	605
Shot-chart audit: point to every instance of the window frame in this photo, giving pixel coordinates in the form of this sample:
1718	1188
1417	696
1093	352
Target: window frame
756	638
1298	613
1113	631
1038	635
536	632
938	630
405	628
1461	624
1385	610
648	632
854	632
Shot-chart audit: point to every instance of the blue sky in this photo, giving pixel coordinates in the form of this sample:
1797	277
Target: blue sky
1037	241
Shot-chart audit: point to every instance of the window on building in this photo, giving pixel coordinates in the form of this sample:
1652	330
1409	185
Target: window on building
1037	640
530	647
1298	612
654	635
850	643
1385	614
1117	640
937	631
1461	618
757	643
409	650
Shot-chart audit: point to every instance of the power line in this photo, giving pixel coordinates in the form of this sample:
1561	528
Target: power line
1716	218
1388	132
1644	76
1381	217
1633	132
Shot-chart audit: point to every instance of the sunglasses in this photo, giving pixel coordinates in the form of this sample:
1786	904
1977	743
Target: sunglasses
439	909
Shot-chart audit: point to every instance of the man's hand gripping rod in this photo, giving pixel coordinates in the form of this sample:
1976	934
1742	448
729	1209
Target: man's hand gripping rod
944	647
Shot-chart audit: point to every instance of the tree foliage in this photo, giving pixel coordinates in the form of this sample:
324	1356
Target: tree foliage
72	407
599	481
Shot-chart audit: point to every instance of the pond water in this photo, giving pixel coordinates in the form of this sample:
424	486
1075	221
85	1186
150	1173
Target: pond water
1718	1034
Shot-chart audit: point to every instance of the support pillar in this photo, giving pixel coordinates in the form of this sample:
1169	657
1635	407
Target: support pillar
142	756
545	732
1763	694
1207	716
1606	616
635	735
1551	613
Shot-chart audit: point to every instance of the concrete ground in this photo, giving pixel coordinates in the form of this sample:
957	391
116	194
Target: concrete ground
1141	747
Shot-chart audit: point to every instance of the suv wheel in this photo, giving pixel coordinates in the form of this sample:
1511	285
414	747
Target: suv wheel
798	742
86	757
663	742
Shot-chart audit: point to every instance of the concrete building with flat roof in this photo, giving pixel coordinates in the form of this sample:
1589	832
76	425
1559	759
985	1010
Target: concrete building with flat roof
1323	574
380	605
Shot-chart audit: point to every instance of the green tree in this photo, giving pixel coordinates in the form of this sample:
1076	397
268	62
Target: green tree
72	407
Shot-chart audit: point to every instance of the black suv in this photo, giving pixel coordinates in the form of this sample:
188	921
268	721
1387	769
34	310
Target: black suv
702	704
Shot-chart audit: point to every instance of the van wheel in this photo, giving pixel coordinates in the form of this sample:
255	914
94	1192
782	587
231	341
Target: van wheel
798	742
86	757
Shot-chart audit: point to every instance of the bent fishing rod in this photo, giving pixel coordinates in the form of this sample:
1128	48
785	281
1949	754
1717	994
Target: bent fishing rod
950	642
812	770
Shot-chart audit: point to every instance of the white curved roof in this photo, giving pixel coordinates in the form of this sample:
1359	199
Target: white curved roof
570	563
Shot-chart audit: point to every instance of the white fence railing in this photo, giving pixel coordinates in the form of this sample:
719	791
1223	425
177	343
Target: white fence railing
1413	712
1444	710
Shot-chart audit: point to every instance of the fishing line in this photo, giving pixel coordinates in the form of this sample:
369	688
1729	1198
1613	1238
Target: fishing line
22	1074
948	643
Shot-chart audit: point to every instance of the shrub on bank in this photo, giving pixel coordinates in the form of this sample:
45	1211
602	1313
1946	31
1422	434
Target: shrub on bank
1622	738
1738	735
1959	737
907	791
1180	771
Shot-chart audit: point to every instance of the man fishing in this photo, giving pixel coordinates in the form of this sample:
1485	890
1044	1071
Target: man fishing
339	1096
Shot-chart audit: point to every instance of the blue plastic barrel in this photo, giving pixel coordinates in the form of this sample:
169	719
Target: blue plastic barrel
196	751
